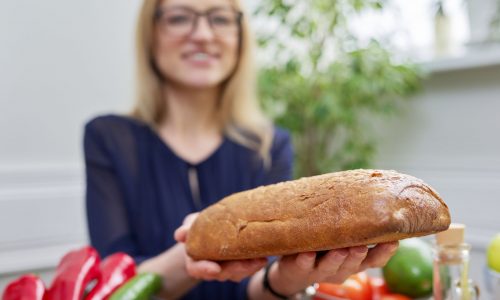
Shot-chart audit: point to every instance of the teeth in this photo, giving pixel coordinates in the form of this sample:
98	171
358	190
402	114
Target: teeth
200	56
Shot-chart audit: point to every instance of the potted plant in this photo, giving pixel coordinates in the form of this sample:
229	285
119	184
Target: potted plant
325	85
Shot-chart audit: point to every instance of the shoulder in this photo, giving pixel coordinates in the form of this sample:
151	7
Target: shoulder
281	157
113	132
281	135
110	122
281	140
113	126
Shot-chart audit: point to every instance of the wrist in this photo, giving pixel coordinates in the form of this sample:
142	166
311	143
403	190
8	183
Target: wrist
279	286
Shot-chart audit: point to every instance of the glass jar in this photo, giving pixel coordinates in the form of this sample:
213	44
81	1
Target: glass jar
451	273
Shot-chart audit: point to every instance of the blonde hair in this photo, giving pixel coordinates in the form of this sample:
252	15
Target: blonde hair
239	112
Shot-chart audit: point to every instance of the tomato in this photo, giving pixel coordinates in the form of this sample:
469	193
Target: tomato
379	288
380	291
409	271
394	297
356	287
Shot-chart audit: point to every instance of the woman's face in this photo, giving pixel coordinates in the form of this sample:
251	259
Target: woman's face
196	42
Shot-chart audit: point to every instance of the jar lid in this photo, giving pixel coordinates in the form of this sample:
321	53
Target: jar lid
453	236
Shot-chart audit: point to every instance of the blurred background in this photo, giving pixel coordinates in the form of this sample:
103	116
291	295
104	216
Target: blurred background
407	85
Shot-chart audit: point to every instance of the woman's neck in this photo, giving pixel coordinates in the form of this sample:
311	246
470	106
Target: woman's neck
191	128
191	112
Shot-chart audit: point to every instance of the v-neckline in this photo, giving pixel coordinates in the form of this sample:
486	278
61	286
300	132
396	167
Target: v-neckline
209	157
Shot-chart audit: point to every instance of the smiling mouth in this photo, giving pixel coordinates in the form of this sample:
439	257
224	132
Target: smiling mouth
200	57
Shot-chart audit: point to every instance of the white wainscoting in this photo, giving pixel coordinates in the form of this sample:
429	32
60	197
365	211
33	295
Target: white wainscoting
41	215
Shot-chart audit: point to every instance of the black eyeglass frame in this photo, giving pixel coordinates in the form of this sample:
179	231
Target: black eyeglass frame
161	11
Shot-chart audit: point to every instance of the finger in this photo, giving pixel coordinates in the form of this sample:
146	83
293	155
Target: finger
305	261
242	266
237	270
189	219
379	255
203	269
353	261
298	264
331	261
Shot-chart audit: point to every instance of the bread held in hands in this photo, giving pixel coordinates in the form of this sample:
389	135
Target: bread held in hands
330	211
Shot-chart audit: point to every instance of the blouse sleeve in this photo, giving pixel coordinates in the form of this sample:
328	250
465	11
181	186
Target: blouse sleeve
107	218
281	158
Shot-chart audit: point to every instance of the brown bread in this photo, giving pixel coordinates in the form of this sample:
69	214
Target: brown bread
337	210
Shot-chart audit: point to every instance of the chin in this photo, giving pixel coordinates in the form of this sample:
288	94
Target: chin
203	82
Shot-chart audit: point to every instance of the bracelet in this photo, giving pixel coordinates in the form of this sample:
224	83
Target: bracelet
268	287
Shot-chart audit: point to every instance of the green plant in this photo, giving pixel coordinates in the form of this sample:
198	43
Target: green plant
325	85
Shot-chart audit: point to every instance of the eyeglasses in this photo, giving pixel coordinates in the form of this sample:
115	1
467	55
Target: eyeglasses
183	21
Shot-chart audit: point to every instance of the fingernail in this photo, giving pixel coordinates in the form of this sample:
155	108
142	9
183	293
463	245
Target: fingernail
211	271
342	253
393	247
306	259
360	250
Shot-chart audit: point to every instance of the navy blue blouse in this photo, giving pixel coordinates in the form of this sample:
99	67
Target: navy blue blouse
138	189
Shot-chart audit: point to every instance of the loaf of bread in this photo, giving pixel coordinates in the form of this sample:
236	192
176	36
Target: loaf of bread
330	211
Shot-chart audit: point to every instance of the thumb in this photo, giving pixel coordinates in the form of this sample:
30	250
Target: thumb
180	234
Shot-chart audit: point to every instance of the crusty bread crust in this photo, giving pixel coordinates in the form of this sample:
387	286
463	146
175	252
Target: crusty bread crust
329	211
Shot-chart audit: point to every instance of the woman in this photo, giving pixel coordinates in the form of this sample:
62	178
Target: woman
196	134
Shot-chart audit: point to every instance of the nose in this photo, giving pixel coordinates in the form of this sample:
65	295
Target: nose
202	30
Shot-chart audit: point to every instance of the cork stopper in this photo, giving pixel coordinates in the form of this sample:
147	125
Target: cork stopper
453	236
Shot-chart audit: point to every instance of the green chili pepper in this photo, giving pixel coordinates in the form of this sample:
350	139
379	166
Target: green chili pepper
140	287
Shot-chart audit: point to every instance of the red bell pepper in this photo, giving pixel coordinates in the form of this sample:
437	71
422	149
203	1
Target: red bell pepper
115	271
74	272
27	287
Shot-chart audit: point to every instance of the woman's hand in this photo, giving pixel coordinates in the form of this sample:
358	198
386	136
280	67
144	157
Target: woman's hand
293	273
234	270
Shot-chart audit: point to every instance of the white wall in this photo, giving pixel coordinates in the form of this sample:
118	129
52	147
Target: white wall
450	137
61	62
